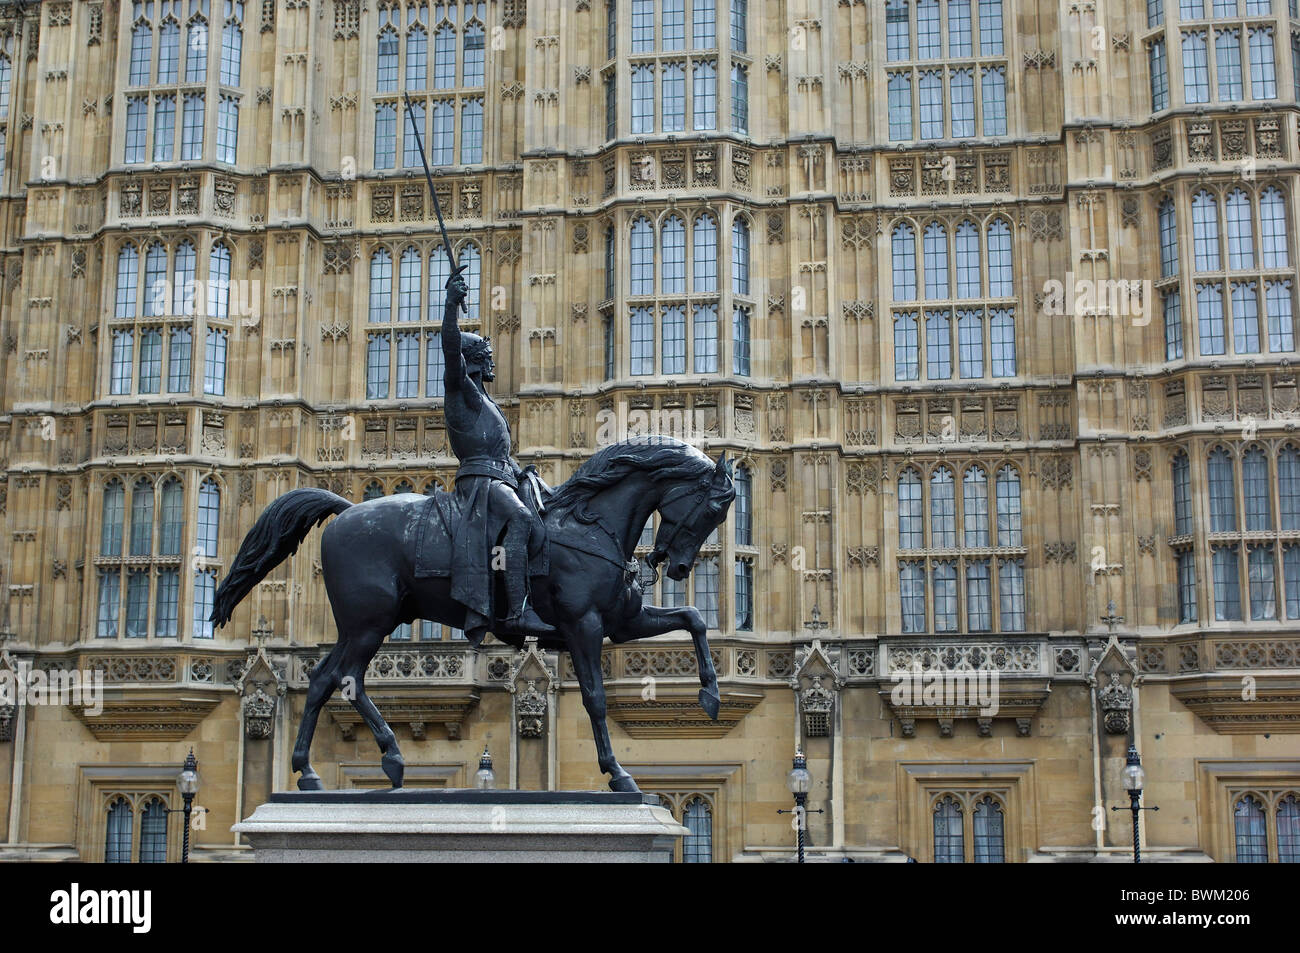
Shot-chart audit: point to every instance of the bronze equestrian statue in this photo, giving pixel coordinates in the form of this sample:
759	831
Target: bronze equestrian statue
399	558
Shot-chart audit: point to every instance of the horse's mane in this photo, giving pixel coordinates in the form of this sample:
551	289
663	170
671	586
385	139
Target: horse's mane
663	457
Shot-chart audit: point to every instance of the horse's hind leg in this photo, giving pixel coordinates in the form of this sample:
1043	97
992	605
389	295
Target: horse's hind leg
322	685
354	689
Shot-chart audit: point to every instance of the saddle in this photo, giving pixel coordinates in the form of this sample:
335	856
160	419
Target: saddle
440	515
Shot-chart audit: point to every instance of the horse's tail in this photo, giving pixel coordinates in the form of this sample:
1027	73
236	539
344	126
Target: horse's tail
274	538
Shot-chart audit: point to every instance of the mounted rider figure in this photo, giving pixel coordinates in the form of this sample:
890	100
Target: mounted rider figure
488	486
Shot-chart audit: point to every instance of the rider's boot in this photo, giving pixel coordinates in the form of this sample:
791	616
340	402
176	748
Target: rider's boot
523	619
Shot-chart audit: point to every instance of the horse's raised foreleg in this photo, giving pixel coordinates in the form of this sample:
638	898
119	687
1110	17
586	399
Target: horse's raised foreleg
584	641
656	620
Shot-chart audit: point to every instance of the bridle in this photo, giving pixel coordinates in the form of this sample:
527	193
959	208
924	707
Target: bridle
702	500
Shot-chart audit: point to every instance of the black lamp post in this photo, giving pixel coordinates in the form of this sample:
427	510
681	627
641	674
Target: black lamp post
799	781
1134	778
188	783
485	778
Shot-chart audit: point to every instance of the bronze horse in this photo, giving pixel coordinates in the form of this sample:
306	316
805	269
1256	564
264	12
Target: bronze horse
593	522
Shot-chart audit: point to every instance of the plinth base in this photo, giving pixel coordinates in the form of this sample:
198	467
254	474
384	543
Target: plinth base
461	826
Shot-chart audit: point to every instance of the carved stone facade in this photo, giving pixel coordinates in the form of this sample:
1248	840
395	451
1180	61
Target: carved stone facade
1083	411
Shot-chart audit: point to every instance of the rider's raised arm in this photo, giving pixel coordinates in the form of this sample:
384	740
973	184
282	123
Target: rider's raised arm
454	377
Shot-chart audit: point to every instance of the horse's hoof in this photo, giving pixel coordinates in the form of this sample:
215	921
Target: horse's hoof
710	702
395	768
310	782
625	784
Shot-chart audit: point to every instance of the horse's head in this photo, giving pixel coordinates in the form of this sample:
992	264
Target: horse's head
688	515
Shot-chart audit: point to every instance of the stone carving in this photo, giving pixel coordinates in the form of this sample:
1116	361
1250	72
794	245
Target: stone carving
530	710
259	715
1116	701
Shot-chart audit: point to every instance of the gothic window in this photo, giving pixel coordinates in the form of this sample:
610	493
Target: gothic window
1251	832
689	324
937	82
1158	66
117	845
947	267
440	99
232	43
944	542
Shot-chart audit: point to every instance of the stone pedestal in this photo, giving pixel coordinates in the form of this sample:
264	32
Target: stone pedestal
460	826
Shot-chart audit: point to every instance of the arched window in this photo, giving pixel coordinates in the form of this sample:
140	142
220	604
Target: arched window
697	845
672	243
1255	490
184	280
643	99
155	281
1288	487
373	491
1205	231
1008	490
740	341
968	260
999	252
142	518
1011	594
943	581
117	835
381	286
444	57
740	99
196	54
970	343
1168	225
907	357
1182	495
949	846
417	58
386	64
705	253
232	45
114	511
153	832
1288	830
473	54
128	275
910	520
385	136
219	283
209	518
641	341
943	510
904	262
169	51
643	264
408	294
704	93
935	243
740	256
1223	492
1272	223
743	507
1251	836
173	518
975	507
141	54
403	486
989	842
1241	233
